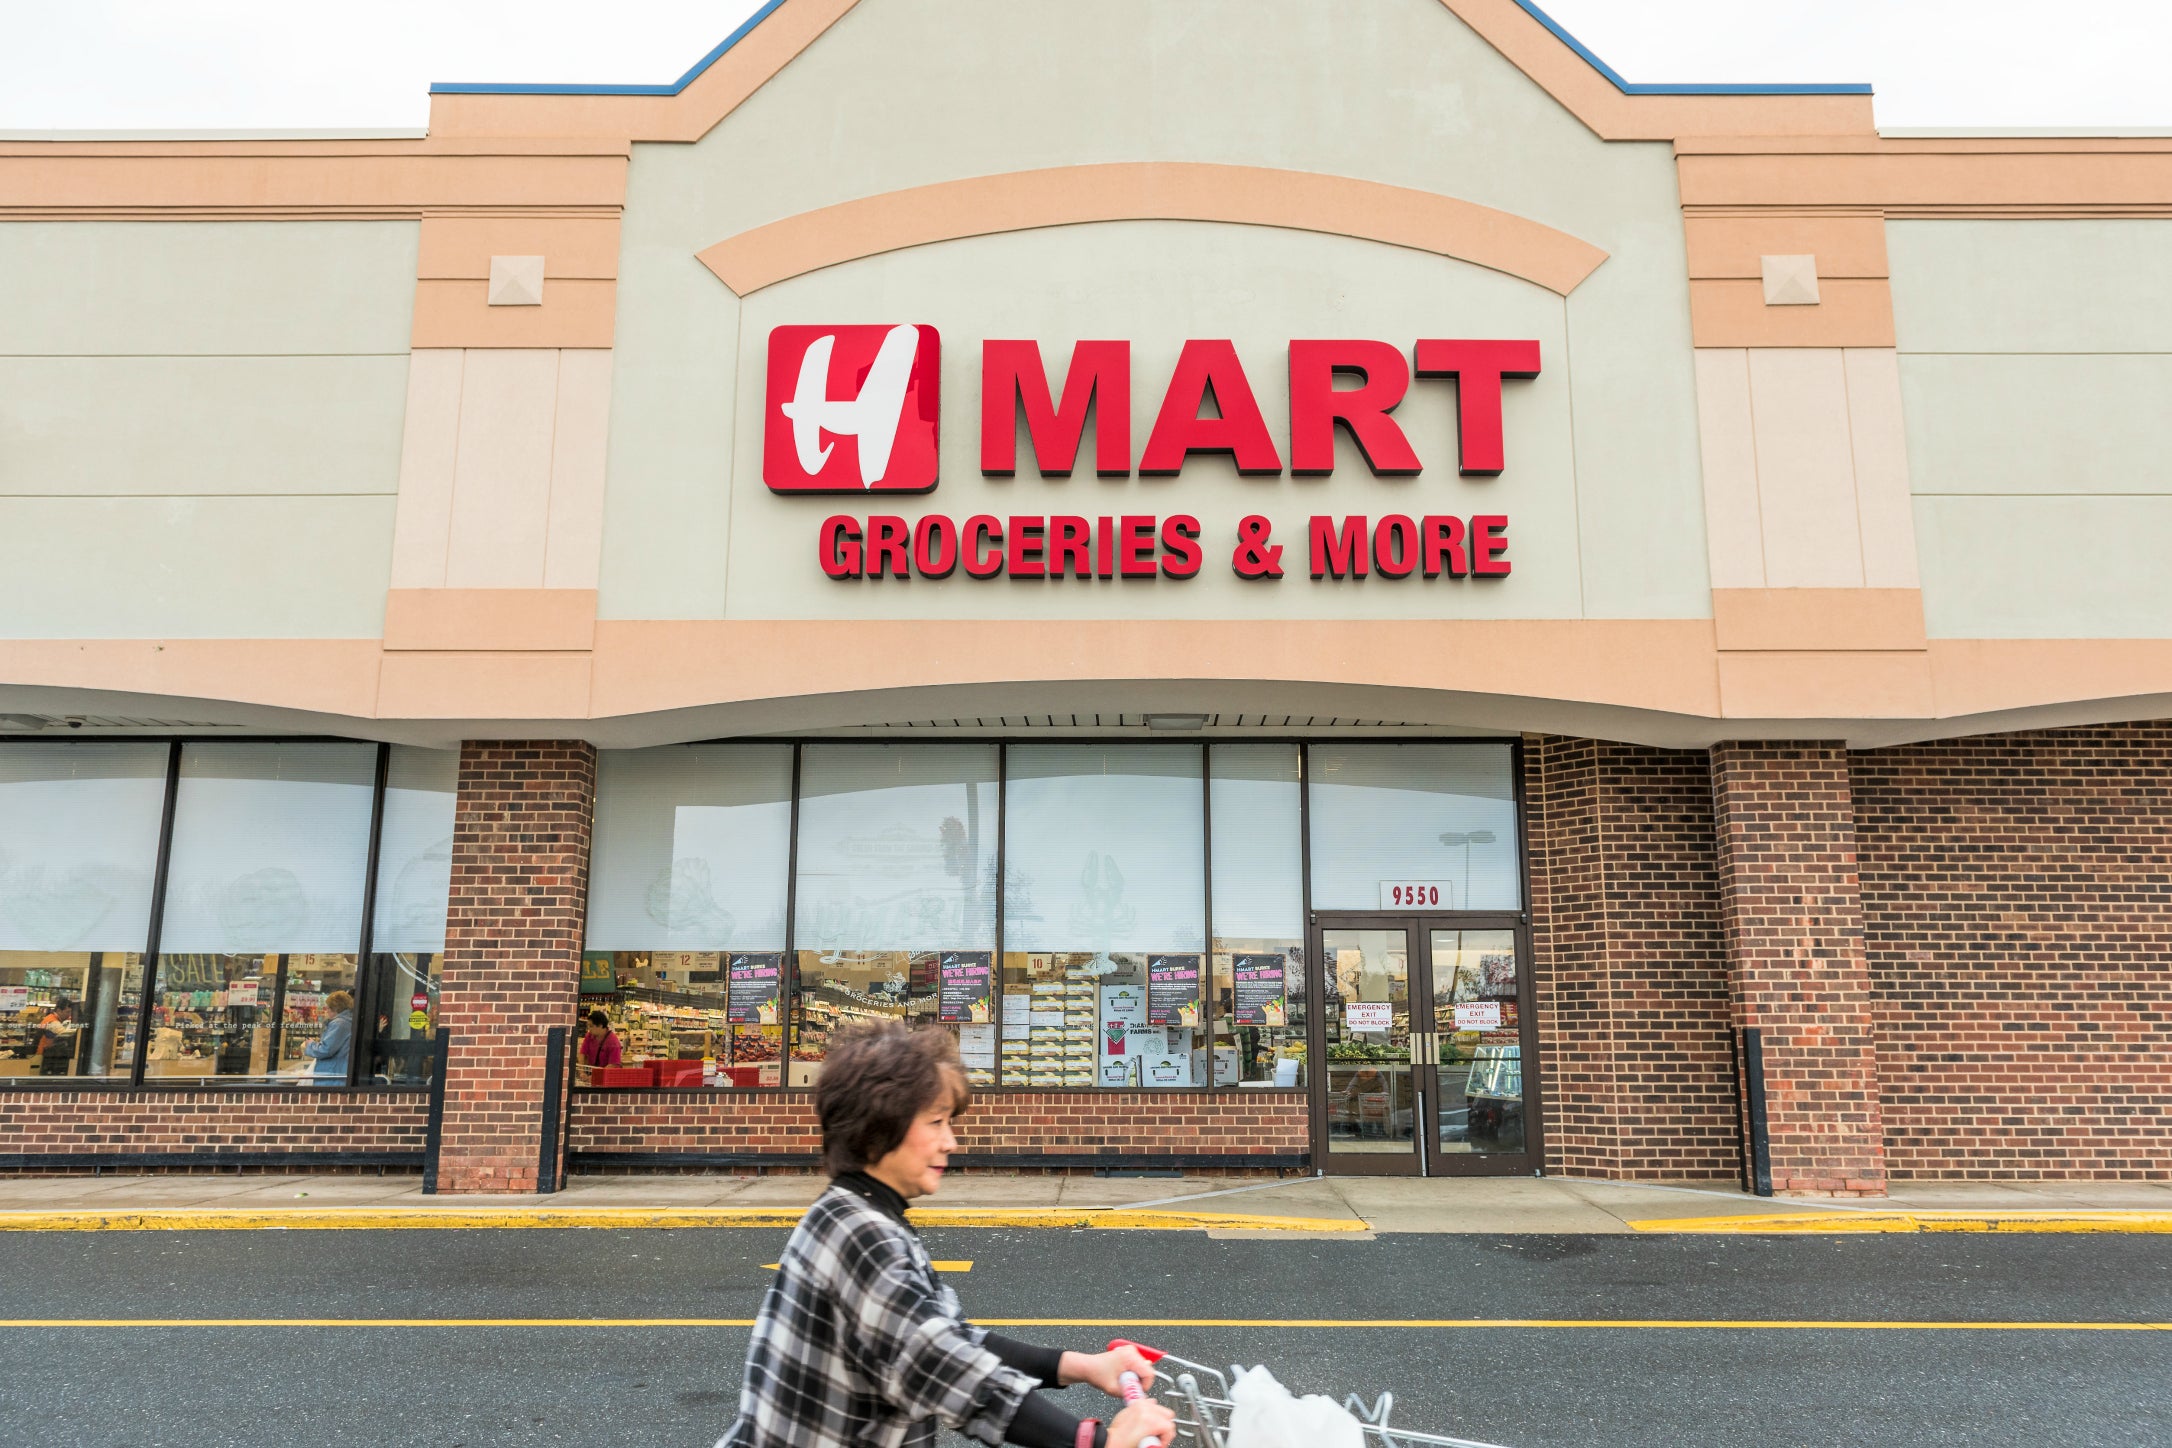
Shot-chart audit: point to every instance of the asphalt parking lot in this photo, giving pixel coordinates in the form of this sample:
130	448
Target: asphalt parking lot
462	1339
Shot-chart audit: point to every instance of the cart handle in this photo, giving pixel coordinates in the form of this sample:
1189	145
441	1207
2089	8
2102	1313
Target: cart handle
1151	1354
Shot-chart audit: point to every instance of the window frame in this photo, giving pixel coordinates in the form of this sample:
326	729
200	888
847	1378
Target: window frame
136	1078
366	965
1003	742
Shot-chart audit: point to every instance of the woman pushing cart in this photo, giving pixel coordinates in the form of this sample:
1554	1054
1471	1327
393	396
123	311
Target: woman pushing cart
859	1345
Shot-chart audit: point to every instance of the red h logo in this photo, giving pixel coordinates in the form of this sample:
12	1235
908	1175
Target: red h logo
852	409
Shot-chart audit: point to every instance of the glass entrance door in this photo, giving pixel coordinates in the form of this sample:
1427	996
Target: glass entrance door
1477	1048
1372	1109
1424	1038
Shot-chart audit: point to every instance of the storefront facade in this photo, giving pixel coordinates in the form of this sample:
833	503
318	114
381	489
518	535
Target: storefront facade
1329	591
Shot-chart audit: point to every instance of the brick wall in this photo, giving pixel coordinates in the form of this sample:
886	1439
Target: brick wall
1629	971
65	1125
2017	899
512	950
1792	915
1217	1123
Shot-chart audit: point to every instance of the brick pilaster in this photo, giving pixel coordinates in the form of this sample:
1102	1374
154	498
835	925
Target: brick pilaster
1791	909
1629	975
512	950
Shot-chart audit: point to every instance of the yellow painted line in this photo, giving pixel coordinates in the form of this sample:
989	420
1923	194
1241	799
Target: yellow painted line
1735	1324
1870	1222
41	1322
1744	1324
396	1219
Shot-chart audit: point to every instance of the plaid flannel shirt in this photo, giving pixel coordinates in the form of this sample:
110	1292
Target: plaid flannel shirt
859	1345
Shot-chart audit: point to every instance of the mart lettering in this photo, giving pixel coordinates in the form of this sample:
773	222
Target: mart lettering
1354	385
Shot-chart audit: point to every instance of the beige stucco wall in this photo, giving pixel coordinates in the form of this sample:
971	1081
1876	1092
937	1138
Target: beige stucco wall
200	426
1606	504
2036	357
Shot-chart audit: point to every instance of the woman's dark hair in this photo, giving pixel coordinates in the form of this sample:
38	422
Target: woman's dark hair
598	1018
875	1079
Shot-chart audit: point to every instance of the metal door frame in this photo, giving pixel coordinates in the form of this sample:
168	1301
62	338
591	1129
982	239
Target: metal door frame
1496	1163
1425	1158
1329	1161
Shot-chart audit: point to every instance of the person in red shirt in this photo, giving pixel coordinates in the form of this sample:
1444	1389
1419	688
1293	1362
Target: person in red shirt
600	1046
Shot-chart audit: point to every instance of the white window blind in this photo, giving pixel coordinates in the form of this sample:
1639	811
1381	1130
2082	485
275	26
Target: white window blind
78	844
896	847
691	848
1105	848
1259	875
270	846
414	852
1414	812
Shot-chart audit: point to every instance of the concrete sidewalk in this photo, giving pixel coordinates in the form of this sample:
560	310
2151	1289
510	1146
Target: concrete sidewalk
1341	1206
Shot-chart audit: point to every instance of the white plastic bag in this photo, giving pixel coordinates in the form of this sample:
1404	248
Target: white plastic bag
1264	1415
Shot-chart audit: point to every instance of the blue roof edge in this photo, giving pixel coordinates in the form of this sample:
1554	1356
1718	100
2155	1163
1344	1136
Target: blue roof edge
545	88
1529	7
1630	88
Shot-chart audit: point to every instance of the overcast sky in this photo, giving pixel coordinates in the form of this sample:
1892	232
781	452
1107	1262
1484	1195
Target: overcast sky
131	64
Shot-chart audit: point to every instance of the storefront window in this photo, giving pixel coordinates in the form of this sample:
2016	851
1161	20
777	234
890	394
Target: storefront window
407	929
263	918
894	914
1258	1016
79	826
1414	827
686	917
1104	916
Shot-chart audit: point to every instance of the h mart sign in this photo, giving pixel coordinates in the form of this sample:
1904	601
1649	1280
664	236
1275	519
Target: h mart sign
857	409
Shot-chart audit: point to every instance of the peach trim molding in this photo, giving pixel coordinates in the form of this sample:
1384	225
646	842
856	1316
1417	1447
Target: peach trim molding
1850	312
490	618
576	312
1156	191
1626	678
1818	618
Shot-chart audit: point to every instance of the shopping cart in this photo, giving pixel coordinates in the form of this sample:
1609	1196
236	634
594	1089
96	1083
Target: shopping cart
1202	1406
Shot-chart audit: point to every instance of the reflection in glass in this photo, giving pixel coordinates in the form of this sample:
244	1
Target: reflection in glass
263	916
270	846
686	892
1371	1090
402	1017
78	847
414	885
1258	874
895	901
1104	903
691	848
1481	1056
1439	815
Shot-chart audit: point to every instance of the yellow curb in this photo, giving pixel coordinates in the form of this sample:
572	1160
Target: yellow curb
396	1219
1127	1220
1870	1222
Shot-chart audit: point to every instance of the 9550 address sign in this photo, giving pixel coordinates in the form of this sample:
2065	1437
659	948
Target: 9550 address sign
1416	895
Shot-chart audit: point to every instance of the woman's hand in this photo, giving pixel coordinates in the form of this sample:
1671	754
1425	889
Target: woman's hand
1103	1369
1142	1420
